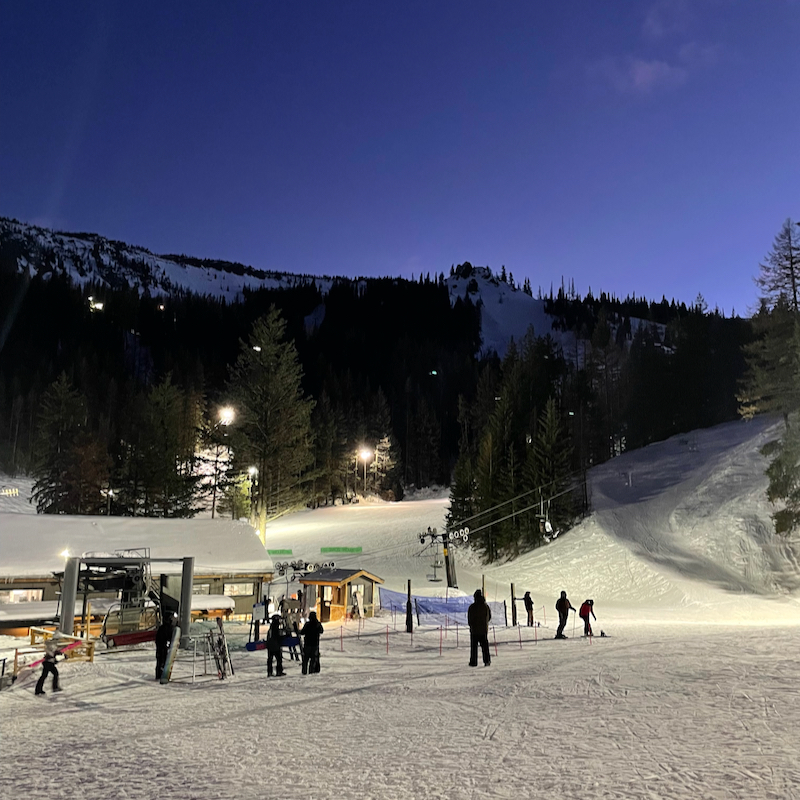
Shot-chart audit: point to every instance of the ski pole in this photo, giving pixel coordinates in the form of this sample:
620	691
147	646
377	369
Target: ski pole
341	639
387	640
494	636
456	635
440	640
574	620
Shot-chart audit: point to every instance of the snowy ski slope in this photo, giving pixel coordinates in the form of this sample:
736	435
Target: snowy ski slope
692	694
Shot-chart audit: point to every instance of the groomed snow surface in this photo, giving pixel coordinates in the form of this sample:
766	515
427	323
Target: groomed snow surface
692	694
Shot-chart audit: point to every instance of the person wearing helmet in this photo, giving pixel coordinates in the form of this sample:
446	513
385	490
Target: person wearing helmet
563	606
586	609
478	616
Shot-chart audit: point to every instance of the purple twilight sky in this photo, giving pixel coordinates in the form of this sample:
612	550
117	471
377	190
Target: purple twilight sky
633	147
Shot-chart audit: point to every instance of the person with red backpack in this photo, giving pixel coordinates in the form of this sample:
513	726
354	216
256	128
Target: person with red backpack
586	609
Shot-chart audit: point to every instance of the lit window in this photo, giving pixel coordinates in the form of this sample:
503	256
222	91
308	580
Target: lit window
21	595
238	589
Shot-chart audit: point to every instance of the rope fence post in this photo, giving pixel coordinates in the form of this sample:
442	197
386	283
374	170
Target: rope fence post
387	640
519	630
440	641
456	634
494	636
341	639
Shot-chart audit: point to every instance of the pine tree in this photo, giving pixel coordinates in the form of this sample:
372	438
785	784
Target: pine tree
61	416
780	272
170	485
549	465
273	429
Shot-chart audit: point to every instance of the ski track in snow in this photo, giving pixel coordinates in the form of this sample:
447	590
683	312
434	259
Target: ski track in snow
653	713
693	695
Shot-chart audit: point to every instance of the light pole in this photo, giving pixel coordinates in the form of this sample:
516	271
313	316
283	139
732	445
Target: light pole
225	417
365	455
253	473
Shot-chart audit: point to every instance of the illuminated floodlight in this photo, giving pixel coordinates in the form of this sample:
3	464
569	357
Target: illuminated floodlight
257	348
226	415
365	454
252	471
65	553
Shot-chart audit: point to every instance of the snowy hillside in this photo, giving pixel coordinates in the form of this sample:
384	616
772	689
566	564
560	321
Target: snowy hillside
665	706
85	258
679	531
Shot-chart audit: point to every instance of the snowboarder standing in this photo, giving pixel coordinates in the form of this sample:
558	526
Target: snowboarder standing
529	608
563	606
478	616
163	640
586	609
311	632
274	644
52	648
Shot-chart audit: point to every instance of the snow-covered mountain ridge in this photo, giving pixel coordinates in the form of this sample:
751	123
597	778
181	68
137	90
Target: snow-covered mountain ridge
87	258
90	258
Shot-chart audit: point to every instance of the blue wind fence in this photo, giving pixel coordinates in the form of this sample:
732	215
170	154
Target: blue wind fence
437	610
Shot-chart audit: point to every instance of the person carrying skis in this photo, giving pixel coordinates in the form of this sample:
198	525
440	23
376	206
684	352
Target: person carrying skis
529	608
52	648
478	616
163	640
311	632
274	644
563	606
586	609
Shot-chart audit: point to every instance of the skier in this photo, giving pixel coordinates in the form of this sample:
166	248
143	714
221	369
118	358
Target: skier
563	606
529	608
311	632
52	648
163	639
586	609
274	644
478	616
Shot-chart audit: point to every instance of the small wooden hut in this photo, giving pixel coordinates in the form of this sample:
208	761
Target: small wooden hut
331	592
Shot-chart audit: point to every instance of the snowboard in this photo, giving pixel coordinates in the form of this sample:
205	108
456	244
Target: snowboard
171	655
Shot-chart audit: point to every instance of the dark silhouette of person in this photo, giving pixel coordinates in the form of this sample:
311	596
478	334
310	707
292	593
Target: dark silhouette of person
586	609
529	608
311	632
275	636
563	606
478	616
52	648
163	639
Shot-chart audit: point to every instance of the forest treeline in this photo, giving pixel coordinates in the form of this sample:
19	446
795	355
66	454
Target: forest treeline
111	398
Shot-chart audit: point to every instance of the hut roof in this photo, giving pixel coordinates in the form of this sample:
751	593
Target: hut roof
329	575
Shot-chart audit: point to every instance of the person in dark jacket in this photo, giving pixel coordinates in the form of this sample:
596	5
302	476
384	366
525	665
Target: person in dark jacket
586	609
311	632
52	648
163	639
478	616
563	606
529	608
275	636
